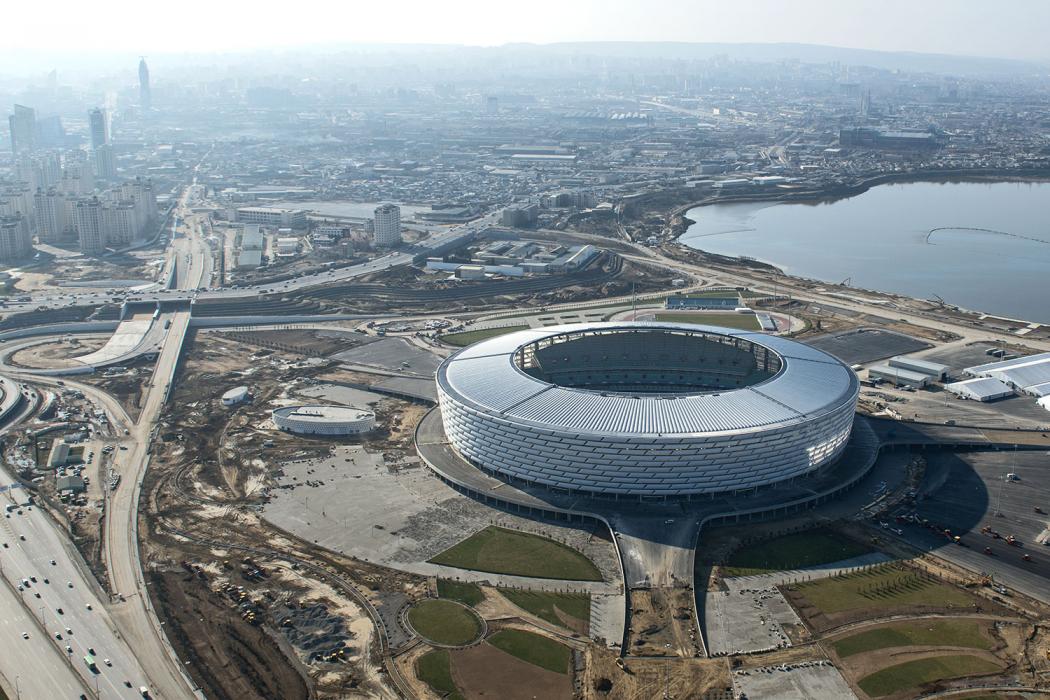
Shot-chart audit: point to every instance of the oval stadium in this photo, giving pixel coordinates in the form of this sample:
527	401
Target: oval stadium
646	410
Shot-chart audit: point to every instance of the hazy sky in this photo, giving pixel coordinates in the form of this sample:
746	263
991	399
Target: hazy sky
1007	28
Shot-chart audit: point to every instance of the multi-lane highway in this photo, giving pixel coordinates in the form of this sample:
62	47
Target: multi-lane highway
195	255
61	609
153	664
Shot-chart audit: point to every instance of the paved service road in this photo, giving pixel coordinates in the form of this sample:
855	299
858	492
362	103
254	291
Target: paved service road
135	613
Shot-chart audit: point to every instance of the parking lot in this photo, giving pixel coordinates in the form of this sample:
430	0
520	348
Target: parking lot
392	354
813	680
344	395
958	357
863	345
964	493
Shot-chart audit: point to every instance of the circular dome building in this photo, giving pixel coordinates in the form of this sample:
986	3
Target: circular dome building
633	409
323	420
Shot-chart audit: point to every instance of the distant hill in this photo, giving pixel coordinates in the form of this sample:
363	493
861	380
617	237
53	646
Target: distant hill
807	53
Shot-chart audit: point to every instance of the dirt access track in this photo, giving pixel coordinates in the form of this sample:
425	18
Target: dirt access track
227	657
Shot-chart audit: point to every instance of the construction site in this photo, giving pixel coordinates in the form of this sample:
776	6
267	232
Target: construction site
348	565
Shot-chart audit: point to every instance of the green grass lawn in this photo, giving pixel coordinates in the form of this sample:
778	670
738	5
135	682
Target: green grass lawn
955	633
744	322
879	588
915	673
466	593
794	551
465	338
542	604
433	669
497	550
534	649
444	622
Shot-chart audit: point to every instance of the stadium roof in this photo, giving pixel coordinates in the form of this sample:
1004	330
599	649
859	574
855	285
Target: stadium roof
485	377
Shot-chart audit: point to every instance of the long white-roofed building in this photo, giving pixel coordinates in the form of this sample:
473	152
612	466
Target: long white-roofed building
1022	373
646	410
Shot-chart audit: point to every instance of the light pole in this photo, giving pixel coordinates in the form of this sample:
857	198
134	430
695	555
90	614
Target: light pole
999	498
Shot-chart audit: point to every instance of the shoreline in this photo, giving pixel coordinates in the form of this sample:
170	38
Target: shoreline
832	194
681	223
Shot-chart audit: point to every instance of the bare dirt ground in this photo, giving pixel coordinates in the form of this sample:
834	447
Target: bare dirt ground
128	387
643	679
662	623
57	354
790	655
312	343
229	658
212	464
483	671
34	281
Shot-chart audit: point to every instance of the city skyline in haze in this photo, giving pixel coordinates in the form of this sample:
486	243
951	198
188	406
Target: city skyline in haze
1013	30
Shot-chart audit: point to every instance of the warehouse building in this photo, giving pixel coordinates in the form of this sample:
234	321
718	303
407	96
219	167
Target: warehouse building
982	389
934	370
898	376
271	216
1021	373
1038	390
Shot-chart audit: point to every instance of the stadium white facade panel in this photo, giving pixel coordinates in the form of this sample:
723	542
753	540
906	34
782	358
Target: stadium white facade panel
646	409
